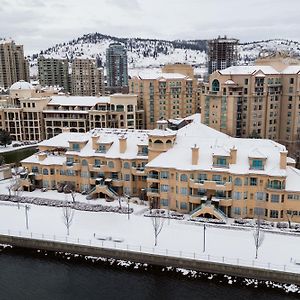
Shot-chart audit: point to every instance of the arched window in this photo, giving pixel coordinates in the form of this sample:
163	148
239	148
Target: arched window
111	164
183	177
158	142
130	108
45	172
238	181
126	165
84	162
215	86
169	142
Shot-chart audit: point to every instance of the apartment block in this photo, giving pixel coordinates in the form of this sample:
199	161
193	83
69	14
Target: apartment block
31	115
87	79
54	72
166	94
13	65
194	170
256	101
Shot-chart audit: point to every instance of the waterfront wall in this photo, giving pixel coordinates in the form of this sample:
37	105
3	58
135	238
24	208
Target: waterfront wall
153	259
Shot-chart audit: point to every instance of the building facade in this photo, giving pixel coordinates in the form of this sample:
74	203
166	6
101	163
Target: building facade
13	65
256	101
222	53
54	72
30	115
87	79
166	94
196	169
117	68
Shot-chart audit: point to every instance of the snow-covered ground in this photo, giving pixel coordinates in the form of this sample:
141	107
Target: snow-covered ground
10	147
177	238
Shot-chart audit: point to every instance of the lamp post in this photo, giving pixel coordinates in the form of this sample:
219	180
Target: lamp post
204	237
27	207
128	213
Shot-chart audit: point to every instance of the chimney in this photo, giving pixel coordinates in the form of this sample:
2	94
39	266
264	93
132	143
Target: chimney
195	155
283	159
95	139
42	156
233	153
123	144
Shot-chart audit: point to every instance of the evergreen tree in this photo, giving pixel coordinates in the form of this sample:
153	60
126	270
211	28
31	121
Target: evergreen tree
5	138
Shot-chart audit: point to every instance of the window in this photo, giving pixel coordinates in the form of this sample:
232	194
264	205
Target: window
111	164
216	178
127	177
102	149
215	86
260	196
237	210
84	162
183	177
246	81
275	198
253	181
164	202
274	214
183	205
291	80
164	174
258	211
183	191
221	161
45	172
202	177
75	147
164	188
236	195
126	165
257	164
238	181
97	163
35	169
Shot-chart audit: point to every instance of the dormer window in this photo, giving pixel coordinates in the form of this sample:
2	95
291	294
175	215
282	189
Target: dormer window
221	161
256	164
143	150
102	149
75	147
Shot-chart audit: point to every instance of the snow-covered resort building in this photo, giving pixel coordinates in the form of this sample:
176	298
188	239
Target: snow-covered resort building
31	115
262	100
194	170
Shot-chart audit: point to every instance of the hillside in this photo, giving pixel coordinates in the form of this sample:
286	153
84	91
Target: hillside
145	53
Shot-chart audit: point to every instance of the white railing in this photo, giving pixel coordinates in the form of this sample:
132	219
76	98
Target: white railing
116	243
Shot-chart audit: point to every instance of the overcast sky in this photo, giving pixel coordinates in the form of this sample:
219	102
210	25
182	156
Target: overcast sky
39	24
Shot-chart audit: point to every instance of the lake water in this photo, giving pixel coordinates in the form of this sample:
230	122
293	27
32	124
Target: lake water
30	277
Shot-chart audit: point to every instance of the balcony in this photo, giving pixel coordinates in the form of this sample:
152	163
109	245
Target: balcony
72	166
153	192
138	171
277	187
195	199
153	177
210	185
117	182
98	168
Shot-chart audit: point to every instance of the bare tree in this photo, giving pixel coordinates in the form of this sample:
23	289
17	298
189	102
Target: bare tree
68	215
290	215
15	188
70	188
258	235
158	223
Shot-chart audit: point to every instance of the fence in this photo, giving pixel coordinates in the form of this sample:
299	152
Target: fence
116	243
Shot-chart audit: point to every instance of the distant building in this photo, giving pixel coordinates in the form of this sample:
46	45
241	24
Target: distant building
256	101
168	94
87	79
13	65
32	115
117	68
222	53
54	72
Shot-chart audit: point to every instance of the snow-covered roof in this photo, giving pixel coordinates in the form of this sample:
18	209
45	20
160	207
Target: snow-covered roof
78	100
21	85
248	70
294	69
292	179
212	142
150	74
104	135
50	159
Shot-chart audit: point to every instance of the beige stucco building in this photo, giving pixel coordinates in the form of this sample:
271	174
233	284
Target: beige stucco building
256	101
195	169
31	115
169	94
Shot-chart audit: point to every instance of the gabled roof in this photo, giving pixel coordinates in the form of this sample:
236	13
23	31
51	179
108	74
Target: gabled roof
248	70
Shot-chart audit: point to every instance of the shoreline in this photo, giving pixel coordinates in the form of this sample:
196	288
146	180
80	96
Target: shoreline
286	280
130	266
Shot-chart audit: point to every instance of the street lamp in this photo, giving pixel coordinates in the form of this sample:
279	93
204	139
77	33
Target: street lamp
27	207
204	237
